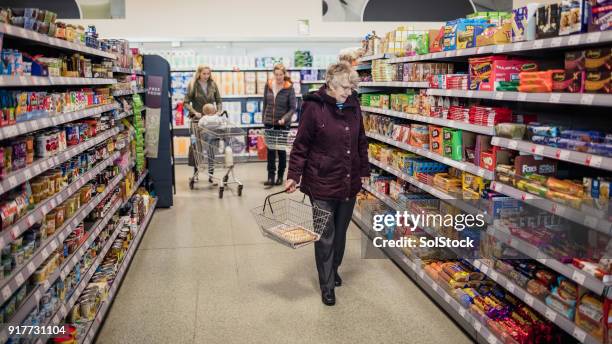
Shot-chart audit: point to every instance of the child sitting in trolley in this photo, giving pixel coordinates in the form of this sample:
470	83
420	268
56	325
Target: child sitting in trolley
212	124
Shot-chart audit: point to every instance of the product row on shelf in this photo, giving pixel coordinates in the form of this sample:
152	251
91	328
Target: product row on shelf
481	31
455	131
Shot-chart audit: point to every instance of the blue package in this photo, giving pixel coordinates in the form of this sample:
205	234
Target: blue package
583	135
450	36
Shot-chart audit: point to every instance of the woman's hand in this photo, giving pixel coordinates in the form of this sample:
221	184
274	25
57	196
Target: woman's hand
365	180
281	121
290	185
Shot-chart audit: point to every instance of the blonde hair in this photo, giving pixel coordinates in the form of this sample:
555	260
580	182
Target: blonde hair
282	68
196	75
340	70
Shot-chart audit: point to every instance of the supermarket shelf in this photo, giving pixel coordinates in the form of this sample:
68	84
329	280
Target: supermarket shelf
564	323
104	308
461	165
15	31
52	120
41	165
424	84
31	81
586	280
38	213
122	70
128	92
572	41
584	217
364	66
461	315
62	312
555	153
312	82
123	115
433	120
12	283
461	204
375	57
34	297
589	99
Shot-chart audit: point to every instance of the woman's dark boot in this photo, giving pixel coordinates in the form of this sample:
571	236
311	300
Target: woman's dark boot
270	181
279	180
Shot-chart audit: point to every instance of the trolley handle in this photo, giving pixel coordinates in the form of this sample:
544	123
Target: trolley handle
268	202
224	113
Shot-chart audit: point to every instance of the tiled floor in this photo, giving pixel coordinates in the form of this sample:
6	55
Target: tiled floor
204	274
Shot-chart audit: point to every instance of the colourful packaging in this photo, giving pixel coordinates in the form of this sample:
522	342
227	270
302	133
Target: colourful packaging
524	23
547	21
435	139
601	15
598	81
574	16
450	36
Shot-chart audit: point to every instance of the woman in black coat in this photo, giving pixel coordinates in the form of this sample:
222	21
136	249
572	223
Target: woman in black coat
279	107
329	158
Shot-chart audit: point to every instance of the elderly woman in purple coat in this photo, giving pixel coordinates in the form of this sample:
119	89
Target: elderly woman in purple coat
328	160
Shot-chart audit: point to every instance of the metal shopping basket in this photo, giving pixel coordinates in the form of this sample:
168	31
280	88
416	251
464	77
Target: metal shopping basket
213	150
291	222
279	139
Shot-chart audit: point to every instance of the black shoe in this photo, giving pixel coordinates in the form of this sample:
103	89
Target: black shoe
337	280
269	182
328	297
279	181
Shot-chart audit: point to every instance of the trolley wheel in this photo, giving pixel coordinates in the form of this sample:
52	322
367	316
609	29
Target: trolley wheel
240	190
225	179
221	192
191	183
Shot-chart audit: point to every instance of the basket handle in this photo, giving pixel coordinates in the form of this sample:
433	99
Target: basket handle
268	202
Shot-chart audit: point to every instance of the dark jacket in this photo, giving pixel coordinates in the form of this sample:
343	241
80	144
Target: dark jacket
196	98
282	106
330	152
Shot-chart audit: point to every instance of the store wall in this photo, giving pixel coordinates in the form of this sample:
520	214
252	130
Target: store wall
519	3
230	19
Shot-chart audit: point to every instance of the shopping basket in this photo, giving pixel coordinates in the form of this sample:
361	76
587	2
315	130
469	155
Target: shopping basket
291	222
279	139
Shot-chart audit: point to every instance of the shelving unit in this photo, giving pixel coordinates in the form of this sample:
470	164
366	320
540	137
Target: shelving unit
595	285
432	120
561	42
34	81
587	216
104	308
62	312
52	120
461	165
20	176
128	92
122	70
37	38
375	57
423	84
461	315
585	99
47	247
580	158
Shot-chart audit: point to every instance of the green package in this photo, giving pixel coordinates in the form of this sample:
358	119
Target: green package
457	145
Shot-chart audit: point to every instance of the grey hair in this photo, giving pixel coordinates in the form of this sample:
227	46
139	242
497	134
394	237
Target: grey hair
341	69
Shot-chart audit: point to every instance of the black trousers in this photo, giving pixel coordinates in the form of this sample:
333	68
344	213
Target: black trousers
282	162
329	250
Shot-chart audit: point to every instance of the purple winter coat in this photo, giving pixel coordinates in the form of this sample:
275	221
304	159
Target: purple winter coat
330	152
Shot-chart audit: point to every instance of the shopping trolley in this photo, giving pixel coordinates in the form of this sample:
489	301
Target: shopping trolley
291	222
279	139
212	149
